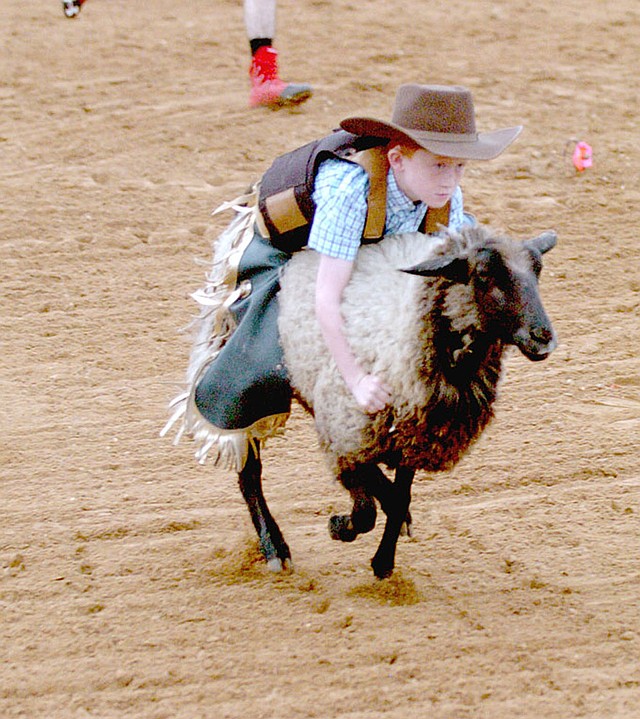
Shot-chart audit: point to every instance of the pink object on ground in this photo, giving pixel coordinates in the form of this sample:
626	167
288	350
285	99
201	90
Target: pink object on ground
582	156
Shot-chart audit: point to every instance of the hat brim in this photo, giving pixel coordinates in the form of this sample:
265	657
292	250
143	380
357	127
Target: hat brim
482	146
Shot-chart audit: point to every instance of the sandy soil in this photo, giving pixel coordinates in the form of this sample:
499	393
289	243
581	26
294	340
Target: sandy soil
130	586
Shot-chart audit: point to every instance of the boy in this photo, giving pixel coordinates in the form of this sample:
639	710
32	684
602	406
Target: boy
370	179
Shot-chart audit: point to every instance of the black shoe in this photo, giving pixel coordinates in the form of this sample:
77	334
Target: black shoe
71	8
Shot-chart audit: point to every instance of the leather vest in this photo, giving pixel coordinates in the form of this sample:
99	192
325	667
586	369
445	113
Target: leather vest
286	189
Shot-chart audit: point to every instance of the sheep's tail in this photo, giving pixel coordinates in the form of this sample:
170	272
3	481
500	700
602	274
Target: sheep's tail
215	324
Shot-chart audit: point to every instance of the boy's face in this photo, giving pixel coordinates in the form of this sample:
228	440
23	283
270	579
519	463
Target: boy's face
426	177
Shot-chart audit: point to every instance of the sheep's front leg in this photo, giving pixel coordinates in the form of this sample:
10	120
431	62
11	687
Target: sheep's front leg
346	527
397	508
378	485
272	544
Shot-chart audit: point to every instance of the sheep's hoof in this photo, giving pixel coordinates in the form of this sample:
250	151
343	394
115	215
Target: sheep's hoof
279	566
381	572
341	528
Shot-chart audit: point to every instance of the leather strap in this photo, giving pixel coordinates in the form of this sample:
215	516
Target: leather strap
376	164
435	217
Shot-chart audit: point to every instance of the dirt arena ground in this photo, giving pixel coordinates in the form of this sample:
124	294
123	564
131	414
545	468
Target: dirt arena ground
129	585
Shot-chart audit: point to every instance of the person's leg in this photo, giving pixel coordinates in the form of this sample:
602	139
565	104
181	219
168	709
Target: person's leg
260	18
267	89
246	387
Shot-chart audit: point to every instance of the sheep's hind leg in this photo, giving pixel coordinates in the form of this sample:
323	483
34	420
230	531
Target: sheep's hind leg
397	507
272	544
346	527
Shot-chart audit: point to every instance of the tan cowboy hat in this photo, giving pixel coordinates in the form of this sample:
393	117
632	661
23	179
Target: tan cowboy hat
439	118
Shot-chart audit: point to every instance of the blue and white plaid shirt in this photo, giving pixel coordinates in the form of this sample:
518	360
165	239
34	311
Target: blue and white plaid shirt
340	195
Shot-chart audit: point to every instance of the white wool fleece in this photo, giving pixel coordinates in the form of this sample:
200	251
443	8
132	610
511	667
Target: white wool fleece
382	316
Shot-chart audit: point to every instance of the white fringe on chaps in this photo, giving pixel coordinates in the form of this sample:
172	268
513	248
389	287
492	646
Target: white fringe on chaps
215	324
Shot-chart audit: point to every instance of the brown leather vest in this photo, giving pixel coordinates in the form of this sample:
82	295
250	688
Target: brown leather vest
286	190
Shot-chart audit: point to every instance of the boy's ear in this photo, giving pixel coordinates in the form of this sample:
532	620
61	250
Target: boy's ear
395	156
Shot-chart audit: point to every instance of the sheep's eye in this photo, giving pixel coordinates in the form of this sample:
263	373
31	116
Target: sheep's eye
487	263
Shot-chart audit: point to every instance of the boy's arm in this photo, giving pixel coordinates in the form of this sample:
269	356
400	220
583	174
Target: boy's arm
333	275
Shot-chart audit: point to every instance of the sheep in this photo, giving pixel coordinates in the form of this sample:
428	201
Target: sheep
430	314
436	331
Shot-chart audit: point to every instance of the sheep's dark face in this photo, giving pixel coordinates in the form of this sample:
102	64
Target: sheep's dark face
505	282
504	277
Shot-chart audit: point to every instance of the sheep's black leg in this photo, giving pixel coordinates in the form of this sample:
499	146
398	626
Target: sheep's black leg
272	543
346	527
378	485
397	507
364	483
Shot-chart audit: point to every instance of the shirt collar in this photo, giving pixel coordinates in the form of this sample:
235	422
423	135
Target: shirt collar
396	199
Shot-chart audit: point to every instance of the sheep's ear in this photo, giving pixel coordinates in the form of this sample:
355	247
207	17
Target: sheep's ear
451	268
544	242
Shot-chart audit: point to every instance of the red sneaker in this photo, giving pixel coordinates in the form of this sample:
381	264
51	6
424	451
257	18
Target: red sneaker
267	89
